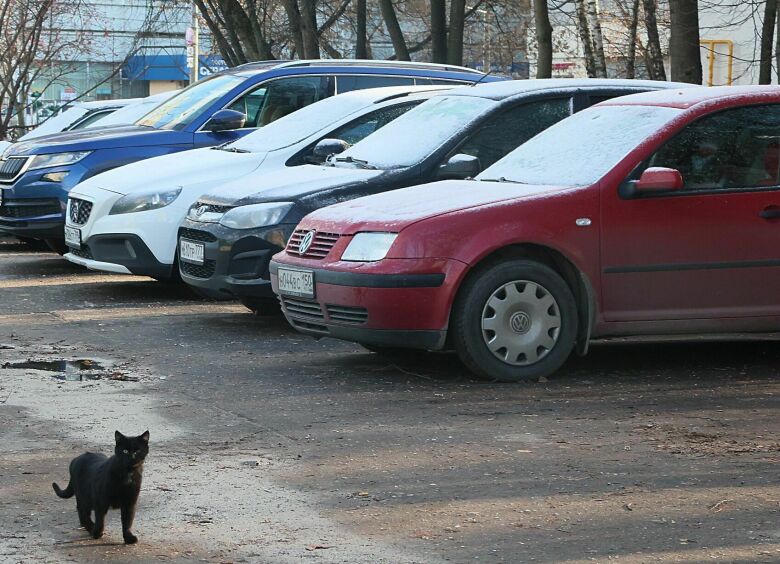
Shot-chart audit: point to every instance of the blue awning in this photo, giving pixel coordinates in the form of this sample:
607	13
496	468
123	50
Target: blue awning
168	67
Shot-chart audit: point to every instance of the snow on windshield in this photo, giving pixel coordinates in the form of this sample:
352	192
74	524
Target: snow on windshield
58	123
186	106
301	124
408	139
582	148
132	112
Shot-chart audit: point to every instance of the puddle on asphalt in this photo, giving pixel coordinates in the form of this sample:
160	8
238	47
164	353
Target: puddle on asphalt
70	370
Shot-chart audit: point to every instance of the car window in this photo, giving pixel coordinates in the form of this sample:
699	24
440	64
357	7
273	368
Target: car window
278	98
737	148
423	81
356	130
507	130
91	118
347	83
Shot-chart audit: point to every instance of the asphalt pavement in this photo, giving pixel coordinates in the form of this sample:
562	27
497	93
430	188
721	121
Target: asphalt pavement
269	446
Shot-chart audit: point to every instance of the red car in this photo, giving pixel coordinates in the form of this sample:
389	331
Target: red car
654	213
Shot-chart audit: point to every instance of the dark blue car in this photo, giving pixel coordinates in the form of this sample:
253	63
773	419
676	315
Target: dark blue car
36	176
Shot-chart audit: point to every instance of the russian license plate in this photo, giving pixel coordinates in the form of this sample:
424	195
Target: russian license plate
296	282
191	252
73	237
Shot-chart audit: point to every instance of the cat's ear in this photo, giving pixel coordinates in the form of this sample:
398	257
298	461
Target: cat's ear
144	437
119	437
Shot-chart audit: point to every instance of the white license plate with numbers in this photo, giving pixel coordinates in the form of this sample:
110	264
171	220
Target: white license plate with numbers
73	237
190	251
296	282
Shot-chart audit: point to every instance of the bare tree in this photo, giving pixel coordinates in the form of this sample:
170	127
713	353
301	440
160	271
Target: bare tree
684	50
583	27
767	40
438	31
394	30
632	39
543	39
600	62
236	29
455	34
361	41
654	58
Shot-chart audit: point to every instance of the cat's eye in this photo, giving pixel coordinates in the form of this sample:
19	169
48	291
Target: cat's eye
125	451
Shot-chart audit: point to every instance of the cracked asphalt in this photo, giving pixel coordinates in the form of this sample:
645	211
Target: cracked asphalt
268	446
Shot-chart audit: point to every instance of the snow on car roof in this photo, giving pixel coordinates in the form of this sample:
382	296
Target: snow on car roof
505	89
688	97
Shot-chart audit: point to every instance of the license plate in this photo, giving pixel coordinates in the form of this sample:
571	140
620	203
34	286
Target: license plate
73	237
191	252
296	282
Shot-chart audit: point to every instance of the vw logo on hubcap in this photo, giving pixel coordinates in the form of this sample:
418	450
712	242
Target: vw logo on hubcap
306	242
520	322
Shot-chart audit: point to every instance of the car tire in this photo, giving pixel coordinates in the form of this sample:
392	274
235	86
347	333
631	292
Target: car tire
514	321
263	307
57	245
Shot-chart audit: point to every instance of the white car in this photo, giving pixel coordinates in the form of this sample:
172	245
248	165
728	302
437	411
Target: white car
126	220
101	113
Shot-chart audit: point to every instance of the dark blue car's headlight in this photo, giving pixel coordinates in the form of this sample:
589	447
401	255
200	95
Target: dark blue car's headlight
57	159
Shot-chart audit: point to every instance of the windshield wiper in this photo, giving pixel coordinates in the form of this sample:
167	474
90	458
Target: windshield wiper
501	179
352	160
224	147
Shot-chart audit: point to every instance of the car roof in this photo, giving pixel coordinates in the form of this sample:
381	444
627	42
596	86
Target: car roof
260	66
509	88
689	97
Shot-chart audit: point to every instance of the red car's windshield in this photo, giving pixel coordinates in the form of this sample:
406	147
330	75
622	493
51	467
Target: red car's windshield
581	149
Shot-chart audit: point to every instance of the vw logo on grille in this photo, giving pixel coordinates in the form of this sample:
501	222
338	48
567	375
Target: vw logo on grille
201	210
306	242
74	210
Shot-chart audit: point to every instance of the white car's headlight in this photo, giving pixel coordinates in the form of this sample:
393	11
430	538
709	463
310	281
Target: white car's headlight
255	215
57	159
144	201
367	247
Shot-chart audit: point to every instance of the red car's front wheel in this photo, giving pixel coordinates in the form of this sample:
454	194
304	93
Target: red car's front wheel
515	320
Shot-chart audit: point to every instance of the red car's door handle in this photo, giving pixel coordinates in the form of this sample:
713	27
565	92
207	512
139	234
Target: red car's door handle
772	212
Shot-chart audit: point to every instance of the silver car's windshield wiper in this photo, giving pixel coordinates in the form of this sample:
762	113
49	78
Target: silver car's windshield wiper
352	160
501	179
224	147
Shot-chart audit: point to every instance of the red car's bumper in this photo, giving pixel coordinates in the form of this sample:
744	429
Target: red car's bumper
394	302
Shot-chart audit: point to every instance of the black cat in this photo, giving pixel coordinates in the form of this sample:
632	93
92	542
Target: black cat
101	483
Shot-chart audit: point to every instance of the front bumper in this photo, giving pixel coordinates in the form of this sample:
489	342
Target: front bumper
394	302
235	260
119	252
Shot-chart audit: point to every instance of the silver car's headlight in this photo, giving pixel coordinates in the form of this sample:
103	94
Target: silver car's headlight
255	215
368	247
144	201
57	159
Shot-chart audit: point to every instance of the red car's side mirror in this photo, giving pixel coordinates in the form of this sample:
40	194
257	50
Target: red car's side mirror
659	179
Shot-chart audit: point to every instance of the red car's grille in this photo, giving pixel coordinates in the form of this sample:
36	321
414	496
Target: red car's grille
319	247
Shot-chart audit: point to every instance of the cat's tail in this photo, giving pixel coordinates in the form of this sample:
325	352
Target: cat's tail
66	493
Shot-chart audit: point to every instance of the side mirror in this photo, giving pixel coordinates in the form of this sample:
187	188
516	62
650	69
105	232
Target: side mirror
327	147
225	120
658	179
459	166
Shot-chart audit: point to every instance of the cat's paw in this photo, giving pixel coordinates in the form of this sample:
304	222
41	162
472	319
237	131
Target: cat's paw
131	538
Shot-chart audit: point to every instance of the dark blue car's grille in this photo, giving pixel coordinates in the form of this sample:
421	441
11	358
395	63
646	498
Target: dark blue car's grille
29	208
10	168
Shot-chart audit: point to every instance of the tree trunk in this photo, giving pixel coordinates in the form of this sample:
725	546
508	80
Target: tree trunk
544	47
311	43
632	38
455	36
585	37
438	31
294	23
655	60
684	49
598	40
361	48
767	39
394	29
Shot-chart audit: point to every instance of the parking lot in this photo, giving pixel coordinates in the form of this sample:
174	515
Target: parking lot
268	446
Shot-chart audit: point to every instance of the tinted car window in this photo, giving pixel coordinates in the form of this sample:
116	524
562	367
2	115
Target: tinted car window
280	97
422	81
359	82
91	118
737	148
356	130
507	130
